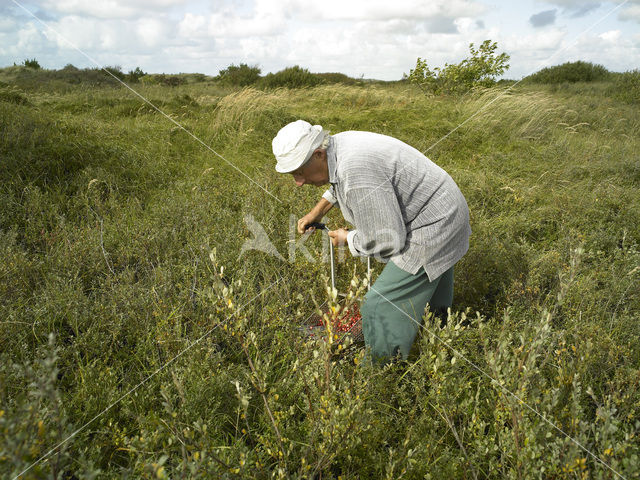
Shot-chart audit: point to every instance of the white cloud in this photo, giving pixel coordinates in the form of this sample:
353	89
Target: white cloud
575	8
632	12
100	9
86	34
256	50
467	25
612	49
25	42
110	39
192	26
612	36
393	26
109	9
7	24
543	42
29	38
380	39
382	42
227	24
387	10
152	32
531	52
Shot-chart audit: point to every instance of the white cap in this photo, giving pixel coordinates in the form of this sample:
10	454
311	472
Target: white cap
294	144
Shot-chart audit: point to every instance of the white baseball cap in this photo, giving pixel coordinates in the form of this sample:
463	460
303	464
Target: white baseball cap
294	144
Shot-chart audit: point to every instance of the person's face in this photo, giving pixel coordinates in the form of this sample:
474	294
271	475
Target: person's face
314	172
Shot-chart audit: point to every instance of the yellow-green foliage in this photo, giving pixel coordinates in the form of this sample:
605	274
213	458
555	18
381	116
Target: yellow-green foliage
137	340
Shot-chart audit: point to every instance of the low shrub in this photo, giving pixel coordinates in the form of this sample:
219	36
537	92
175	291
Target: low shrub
164	79
291	77
626	86
115	71
570	72
333	77
30	79
33	63
241	75
135	75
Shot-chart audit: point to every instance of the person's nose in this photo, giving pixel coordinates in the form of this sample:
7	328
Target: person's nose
299	180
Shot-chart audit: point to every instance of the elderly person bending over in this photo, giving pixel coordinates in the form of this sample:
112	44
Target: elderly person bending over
406	210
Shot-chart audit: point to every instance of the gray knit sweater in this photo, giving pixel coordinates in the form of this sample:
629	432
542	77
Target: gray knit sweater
404	207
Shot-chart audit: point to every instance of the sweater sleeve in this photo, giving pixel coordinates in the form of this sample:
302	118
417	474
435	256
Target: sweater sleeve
380	229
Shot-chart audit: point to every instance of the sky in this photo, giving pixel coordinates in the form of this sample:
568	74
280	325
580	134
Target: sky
361	38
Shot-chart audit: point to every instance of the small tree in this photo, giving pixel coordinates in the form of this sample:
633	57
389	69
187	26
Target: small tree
135	75
480	69
33	63
239	75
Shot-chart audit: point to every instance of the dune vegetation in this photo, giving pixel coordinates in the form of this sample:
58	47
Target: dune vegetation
147	333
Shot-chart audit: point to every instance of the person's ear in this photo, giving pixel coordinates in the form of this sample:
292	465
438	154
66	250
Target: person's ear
317	153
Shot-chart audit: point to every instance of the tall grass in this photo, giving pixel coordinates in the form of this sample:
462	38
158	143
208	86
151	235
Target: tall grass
120	239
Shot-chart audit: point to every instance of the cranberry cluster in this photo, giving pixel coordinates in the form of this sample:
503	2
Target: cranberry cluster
348	321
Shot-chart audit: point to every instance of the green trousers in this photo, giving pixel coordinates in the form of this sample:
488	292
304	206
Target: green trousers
392	310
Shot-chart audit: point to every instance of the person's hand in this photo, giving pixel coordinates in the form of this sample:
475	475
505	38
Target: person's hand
306	220
339	237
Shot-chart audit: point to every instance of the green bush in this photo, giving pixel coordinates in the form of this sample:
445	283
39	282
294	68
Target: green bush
91	76
115	71
30	79
570	72
480	69
241	75
626	86
33	63
291	77
334	77
164	79
135	75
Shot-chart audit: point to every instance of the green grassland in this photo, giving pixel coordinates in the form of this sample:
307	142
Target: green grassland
139	340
